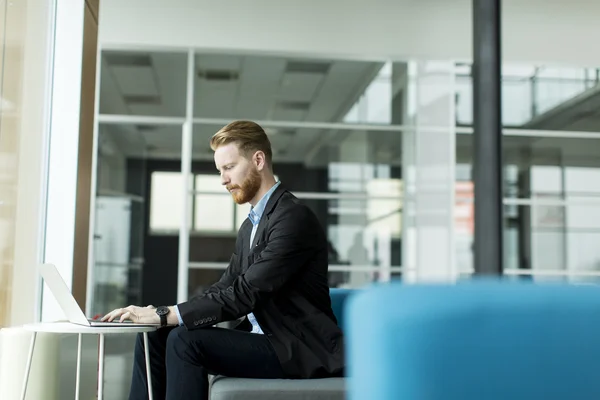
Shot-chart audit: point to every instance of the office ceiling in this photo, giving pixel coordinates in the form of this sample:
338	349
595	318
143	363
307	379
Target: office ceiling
232	87
283	89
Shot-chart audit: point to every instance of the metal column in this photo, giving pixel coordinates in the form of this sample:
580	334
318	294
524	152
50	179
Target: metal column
487	124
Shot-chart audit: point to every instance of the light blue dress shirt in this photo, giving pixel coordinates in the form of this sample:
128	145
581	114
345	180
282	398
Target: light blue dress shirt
255	215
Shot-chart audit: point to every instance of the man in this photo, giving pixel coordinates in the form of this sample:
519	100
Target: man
276	279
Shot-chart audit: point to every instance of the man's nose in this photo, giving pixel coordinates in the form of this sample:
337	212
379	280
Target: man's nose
224	179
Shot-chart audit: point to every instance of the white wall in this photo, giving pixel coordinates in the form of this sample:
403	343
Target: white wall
539	31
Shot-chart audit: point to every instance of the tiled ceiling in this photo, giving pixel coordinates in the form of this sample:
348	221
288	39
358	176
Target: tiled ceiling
230	87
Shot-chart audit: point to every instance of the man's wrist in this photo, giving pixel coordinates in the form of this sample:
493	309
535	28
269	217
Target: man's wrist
172	316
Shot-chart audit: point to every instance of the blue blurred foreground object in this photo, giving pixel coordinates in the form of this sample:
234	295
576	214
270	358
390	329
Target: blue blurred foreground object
478	340
338	301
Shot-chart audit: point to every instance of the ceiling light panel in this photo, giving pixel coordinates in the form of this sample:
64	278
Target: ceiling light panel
299	86
135	81
259	85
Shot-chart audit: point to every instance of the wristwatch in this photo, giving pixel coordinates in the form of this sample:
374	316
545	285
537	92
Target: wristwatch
162	312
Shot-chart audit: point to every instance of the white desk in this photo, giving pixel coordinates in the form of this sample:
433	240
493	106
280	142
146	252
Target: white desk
68	328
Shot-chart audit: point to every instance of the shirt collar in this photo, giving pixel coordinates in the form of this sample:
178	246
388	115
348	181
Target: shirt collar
257	211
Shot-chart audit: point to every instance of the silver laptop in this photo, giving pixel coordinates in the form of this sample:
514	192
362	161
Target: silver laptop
67	302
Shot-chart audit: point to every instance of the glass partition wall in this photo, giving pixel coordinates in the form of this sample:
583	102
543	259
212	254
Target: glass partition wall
164	227
551	150
381	151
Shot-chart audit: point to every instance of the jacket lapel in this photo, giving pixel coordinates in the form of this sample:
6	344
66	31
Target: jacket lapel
268	209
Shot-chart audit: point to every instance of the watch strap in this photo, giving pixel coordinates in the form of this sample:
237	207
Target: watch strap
162	312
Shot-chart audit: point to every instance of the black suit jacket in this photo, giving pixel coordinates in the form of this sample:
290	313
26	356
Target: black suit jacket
282	279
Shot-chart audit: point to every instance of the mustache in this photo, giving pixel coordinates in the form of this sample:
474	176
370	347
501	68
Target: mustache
231	187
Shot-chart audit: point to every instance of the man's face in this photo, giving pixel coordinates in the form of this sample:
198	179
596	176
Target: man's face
238	174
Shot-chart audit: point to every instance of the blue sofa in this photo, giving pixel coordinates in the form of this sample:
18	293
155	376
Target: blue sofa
478	340
226	388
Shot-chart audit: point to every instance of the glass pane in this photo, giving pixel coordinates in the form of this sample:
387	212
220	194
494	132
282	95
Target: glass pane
558	230
166	198
19	38
209	184
347	161
547	238
136	198
537	97
294	89
513	89
143	83
533	164
9	152
213	208
214	212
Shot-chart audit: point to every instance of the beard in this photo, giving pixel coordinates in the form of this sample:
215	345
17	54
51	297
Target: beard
247	191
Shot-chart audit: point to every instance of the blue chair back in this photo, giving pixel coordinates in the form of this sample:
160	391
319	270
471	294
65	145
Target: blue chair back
479	340
338	302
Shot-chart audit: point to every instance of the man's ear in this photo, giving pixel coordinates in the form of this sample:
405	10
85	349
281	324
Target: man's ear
260	160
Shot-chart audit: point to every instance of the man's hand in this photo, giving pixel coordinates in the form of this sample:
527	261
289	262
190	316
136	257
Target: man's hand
138	315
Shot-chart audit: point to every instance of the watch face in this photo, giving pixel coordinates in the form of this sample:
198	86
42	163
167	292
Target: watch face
162	310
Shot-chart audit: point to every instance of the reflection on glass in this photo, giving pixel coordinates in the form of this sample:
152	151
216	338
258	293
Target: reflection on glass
11	78
290	89
373	106
265	88
556	229
129	199
533	164
143	83
531	95
319	160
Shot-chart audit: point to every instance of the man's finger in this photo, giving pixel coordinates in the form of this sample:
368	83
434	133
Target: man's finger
107	316
126	316
115	314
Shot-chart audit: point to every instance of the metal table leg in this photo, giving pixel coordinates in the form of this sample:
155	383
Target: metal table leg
77	377
101	368
28	366
148	374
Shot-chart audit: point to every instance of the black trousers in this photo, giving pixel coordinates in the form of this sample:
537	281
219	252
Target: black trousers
180	361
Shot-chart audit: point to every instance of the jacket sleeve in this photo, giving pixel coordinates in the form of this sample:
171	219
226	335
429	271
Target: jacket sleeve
228	276
291	242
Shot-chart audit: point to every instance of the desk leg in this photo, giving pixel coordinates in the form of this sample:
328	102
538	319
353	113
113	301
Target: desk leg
28	366
101	368
78	367
148	374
